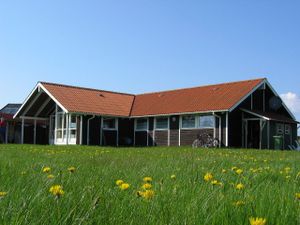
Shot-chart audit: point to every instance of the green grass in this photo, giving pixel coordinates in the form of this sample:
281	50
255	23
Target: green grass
92	197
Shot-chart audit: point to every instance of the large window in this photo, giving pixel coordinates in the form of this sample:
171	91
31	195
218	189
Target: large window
162	123
188	122
61	126
141	124
109	124
206	122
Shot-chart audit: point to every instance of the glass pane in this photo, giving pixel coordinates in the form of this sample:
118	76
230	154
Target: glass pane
73	123
73	134
109	124
59	134
188	122
207	122
59	118
142	124
162	123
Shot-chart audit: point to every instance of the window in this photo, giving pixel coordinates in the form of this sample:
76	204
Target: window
141	124
206	122
279	128
288	129
73	127
60	126
109	123
188	122
162	123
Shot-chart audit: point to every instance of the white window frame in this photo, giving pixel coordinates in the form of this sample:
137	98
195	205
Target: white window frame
63	129
144	129
161	129
110	118
190	128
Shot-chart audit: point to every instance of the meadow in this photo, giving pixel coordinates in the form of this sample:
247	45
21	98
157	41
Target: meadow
94	185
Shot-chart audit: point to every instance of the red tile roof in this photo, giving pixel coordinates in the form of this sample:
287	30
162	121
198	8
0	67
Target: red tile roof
91	101
199	99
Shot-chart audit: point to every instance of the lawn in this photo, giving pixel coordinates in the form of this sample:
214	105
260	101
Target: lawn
189	186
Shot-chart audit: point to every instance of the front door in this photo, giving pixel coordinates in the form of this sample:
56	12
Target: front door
253	134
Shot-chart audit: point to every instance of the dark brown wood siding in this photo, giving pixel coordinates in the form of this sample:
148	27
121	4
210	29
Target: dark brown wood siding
161	138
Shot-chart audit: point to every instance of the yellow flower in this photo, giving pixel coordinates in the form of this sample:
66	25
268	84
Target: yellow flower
298	196
239	203
3	194
224	171
46	169
147	186
234	168
147	179
257	221
71	169
214	182
119	182
240	186
50	176
173	177
148	194
57	190
208	177
239	171
124	186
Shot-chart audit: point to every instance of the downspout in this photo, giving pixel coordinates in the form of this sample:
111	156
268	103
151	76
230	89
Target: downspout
88	129
220	131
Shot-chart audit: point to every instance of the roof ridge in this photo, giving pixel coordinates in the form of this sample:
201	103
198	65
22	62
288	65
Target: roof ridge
208	85
85	88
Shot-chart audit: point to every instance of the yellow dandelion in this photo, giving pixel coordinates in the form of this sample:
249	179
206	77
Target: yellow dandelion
208	177
147	179
234	168
46	169
173	176
124	186
71	169
148	194
119	182
215	182
239	203
3	194
147	186
239	171
298	196
257	221
57	190
240	186
50	176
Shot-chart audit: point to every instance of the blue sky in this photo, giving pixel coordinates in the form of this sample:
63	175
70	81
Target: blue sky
141	46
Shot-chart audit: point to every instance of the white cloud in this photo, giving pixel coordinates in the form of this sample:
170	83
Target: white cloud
292	101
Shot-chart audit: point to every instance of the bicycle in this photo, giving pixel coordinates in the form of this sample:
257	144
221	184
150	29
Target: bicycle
205	140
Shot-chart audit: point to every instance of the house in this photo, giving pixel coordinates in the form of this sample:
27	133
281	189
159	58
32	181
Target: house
9	127
247	114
